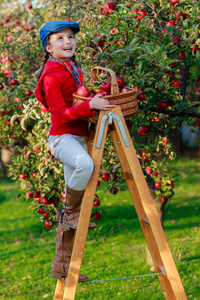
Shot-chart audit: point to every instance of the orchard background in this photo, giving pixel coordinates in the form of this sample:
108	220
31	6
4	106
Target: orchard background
153	45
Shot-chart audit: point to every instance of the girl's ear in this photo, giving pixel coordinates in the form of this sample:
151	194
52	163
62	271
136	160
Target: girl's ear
48	48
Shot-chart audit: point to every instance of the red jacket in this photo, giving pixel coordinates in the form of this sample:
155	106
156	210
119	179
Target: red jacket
54	90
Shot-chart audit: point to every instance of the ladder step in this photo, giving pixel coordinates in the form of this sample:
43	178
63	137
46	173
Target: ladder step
129	174
146	222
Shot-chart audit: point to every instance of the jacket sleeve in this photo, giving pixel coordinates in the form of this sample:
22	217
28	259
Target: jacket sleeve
52	88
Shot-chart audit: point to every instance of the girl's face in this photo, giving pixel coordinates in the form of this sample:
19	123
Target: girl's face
62	44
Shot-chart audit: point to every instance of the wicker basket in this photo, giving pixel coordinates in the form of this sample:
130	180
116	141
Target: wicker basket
127	101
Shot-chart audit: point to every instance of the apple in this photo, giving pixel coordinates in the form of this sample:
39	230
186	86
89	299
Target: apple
176	39
194	48
113	190
36	149
120	81
37	195
6	72
45	215
40	211
34	175
43	108
141	96
173	2
63	195
45	200
182	55
16	21
165	142
162	105
157	184
106	86
2	113
96	202
177	83
171	23
144	130
98	182
148	170
97	216
30	194
105	177
102	92
155	174
171	184
156	119
198	123
142	13
14	81
173	65
25	155
82	91
110	6
28	93
164	198
48	223
29	6
22	176
125	90
31	27
1	86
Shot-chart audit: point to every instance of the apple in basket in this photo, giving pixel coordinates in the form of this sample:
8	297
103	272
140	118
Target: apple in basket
102	92
82	91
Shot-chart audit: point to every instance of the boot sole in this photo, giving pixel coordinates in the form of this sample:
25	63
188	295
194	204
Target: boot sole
60	276
68	227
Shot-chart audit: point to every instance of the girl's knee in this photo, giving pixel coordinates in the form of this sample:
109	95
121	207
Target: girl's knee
86	165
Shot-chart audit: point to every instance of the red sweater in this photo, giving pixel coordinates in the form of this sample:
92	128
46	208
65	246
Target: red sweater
54	90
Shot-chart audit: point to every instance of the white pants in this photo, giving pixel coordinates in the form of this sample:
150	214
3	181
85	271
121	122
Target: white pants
78	165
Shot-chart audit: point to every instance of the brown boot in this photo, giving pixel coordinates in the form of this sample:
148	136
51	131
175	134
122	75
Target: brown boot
60	265
72	209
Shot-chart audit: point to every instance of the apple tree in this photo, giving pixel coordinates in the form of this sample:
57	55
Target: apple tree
153	46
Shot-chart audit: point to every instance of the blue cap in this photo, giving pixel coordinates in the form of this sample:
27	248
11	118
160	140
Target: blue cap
54	26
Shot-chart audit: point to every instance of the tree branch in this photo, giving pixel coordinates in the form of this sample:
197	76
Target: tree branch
175	113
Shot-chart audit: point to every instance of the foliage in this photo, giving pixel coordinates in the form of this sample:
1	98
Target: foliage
156	52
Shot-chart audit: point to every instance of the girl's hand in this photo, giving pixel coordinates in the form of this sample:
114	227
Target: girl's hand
100	103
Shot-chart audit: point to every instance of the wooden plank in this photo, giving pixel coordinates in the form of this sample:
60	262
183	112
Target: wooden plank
60	288
156	240
84	219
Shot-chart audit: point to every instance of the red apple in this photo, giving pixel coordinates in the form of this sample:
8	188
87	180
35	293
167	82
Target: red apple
194	48
63	195
176	39
97	216
182	55
106	86
34	175
165	142
30	194
102	92
173	2
148	170
157	184
162	105
28	93
171	23
22	176
144	130
36	149
40	211
177	83
82	91
43	108
125	90
14	81
96	202
120	81
142	13
1	86
45	215
29	6
6	72
141	97
45	200
110	6
113	190
105	177
98	182
164	198
16	21
155	174
48	223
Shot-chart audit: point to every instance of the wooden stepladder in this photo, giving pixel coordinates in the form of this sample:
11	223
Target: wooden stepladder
150	223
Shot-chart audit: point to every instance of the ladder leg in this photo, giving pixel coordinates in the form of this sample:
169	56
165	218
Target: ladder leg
150	223
84	217
60	288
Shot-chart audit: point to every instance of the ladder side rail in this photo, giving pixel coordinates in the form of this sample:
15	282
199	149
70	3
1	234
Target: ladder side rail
145	200
84	218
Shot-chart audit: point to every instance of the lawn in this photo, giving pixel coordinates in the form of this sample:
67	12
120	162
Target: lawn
116	249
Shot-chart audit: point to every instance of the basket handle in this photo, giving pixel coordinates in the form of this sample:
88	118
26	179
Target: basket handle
114	85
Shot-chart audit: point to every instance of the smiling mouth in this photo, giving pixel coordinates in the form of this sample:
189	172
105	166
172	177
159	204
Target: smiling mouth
68	49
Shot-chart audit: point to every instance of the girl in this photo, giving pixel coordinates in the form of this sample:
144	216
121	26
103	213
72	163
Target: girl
58	78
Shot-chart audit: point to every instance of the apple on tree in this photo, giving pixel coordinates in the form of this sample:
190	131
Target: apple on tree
97	216
96	202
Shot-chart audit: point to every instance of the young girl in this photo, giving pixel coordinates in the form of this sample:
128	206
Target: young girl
58	78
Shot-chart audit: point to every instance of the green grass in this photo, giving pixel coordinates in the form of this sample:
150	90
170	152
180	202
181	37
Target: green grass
116	249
